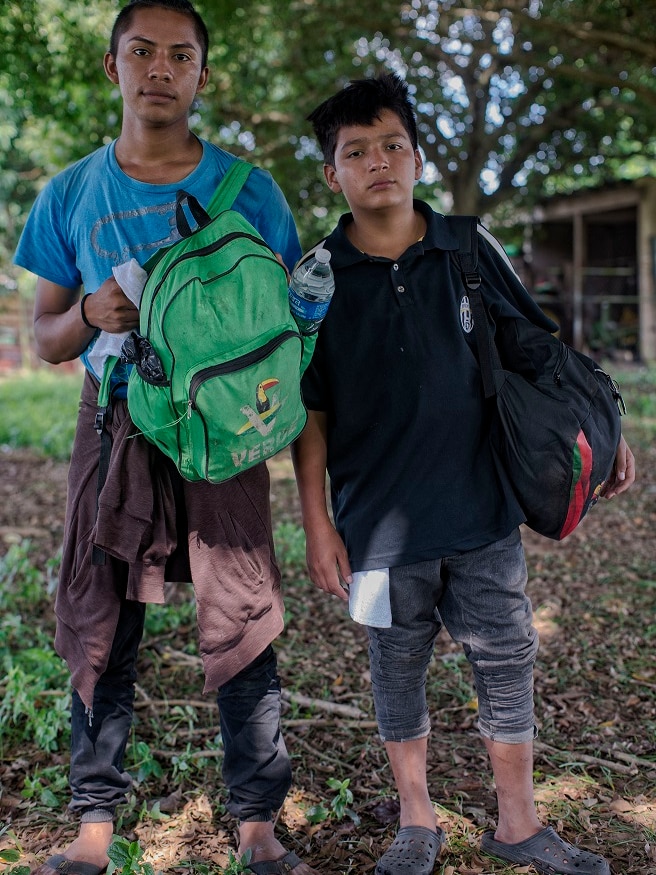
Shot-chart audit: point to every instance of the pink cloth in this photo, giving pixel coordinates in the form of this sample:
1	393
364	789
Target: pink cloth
155	526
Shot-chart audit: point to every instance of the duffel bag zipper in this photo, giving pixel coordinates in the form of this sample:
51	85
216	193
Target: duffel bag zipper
614	388
563	355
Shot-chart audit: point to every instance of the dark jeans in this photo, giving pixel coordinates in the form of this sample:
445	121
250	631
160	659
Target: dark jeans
479	596
256	766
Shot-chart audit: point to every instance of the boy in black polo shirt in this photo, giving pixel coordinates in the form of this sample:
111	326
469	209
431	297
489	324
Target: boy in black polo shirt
426	528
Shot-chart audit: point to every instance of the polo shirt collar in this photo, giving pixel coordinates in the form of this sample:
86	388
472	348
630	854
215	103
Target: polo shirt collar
437	236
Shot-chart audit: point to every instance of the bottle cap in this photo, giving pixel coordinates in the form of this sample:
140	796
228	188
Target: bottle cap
323	256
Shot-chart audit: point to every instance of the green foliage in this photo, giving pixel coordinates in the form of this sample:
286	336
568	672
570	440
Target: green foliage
510	99
32	706
126	858
289	539
450	677
513	100
141	762
169	618
339	806
21	582
33	709
47	788
237	865
183	765
11	855
37	718
51	62
39	411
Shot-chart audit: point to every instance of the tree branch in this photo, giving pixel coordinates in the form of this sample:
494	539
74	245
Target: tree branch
576	757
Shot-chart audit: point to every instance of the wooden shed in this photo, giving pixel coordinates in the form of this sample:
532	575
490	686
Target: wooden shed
590	259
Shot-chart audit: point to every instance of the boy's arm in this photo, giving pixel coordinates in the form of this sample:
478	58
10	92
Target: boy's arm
327	559
59	331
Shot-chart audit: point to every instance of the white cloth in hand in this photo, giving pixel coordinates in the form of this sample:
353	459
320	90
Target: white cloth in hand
131	277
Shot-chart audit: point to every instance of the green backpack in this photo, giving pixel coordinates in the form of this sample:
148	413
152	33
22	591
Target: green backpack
218	357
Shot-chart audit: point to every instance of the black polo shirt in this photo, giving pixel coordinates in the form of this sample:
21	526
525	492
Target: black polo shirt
409	460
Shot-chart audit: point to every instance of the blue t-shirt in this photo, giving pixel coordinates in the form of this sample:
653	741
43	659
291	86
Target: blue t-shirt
92	217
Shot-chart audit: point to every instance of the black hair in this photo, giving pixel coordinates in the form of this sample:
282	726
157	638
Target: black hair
124	18
360	103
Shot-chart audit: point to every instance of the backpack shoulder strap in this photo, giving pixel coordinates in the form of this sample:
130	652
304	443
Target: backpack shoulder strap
466	230
103	392
466	257
223	198
229	187
98	554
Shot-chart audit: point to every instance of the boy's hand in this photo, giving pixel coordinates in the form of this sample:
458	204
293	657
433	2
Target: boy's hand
110	309
279	257
623	474
327	561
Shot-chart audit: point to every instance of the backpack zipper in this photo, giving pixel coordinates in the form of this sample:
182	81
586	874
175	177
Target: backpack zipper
238	364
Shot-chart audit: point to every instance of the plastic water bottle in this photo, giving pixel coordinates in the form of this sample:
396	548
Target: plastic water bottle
310	290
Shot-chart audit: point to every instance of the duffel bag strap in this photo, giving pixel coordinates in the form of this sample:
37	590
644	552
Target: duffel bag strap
466	230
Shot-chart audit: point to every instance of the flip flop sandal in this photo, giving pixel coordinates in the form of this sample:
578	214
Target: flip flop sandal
547	853
413	852
282	866
63	866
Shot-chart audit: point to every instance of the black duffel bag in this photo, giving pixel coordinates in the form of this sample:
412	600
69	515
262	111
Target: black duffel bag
556	427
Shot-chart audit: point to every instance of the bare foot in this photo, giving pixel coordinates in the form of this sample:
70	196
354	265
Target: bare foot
259	838
90	846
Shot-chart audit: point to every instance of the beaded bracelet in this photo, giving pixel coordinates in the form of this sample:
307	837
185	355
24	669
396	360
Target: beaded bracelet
83	314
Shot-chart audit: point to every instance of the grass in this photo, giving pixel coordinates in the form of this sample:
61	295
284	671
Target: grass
39	412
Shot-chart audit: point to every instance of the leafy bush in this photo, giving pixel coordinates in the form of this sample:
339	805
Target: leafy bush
339	806
126	858
12	854
34	697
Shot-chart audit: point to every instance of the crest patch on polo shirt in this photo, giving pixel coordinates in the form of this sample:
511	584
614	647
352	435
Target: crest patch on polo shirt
466	315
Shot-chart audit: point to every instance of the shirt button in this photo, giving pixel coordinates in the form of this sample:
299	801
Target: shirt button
396	267
400	289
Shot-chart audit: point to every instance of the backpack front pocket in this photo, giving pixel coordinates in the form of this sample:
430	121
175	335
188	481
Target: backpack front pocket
242	411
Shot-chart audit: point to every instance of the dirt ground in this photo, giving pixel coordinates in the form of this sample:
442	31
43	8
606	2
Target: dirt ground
595	694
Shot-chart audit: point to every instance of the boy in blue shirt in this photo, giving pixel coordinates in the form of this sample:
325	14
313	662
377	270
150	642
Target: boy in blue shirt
114	205
423	518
